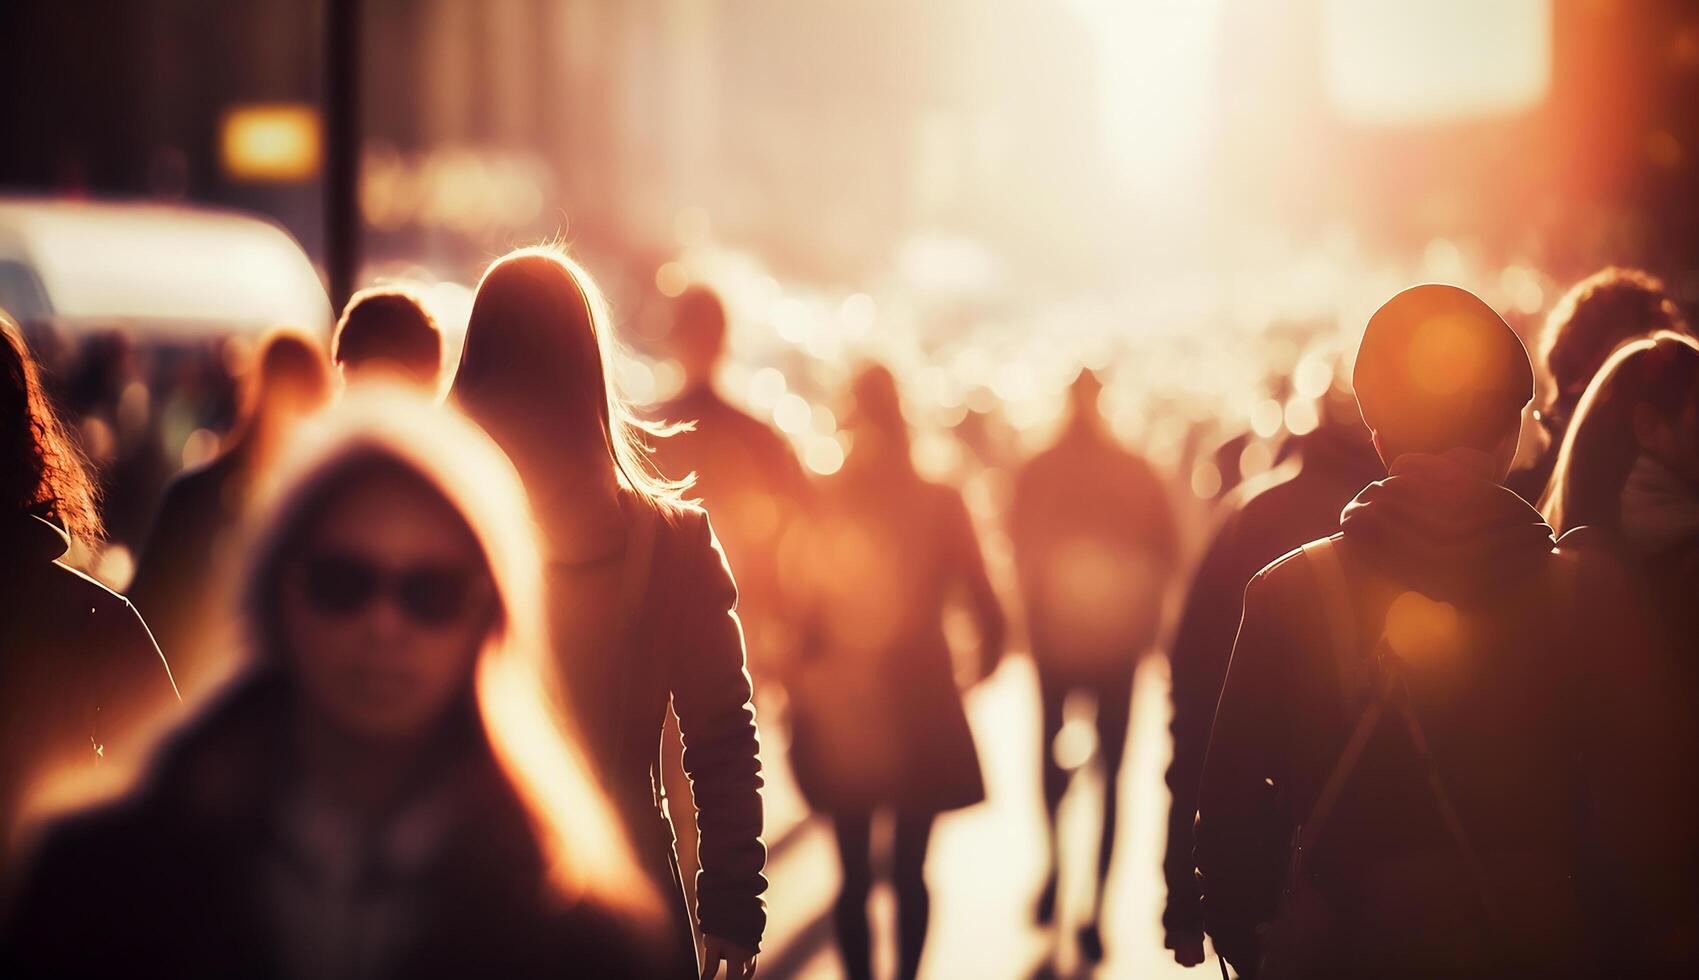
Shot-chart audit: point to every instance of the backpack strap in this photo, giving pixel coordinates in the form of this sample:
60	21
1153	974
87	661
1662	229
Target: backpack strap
1309	832
1322	557
1448	811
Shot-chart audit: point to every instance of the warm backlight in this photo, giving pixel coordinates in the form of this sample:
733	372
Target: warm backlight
1393	61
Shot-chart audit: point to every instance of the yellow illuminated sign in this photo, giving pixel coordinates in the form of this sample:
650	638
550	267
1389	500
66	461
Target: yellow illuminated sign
275	142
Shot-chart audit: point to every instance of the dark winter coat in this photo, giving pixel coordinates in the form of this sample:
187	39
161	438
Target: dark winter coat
876	707
1301	502
79	674
1547	716
198	874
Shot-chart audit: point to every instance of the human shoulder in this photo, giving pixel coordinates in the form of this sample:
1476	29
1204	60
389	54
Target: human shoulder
1268	491
1289	576
80	594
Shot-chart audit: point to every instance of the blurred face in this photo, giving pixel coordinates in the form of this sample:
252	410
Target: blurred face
385	608
1672	441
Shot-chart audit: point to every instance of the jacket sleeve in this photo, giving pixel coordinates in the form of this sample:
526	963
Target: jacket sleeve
969	562
1198	659
712	696
1242	827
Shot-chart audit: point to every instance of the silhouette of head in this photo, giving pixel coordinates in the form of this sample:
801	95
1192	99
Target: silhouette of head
42	471
698	335
1437	370
1083	397
878	430
290	381
536	368
396	579
386	331
1595	317
1644	401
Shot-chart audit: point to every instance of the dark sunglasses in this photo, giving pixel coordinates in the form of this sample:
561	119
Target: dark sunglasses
342	584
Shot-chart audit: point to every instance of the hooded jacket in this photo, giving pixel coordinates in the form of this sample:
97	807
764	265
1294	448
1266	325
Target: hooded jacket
1333	466
1536	684
213	867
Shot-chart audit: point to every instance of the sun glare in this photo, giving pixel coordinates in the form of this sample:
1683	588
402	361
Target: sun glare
1156	61
1391	61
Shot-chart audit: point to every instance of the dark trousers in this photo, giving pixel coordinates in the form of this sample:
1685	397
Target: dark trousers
854	833
1113	693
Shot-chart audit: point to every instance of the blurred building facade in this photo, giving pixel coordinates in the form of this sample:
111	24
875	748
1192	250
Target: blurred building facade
827	135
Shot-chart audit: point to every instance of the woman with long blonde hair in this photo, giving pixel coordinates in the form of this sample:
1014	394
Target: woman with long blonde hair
394	786
641	600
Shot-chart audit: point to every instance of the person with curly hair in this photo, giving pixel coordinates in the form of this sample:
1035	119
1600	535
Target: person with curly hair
1595	318
79	672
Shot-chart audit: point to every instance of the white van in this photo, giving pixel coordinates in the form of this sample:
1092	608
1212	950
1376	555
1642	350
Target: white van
163	273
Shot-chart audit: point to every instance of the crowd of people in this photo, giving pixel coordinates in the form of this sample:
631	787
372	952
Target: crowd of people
447	663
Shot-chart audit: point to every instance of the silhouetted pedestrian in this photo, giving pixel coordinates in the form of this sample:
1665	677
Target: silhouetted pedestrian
641	599
1095	549
1298	501
876	706
386	332
748	480
183	570
1441	749
747	477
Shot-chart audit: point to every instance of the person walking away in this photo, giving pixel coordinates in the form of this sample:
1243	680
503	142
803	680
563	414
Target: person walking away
1298	502
748	480
642	602
1095	550
184	567
1442	746
879	726
386	332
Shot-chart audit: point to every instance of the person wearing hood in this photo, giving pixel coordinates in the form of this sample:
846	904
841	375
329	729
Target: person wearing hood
78	671
1442	745
394	784
1298	501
